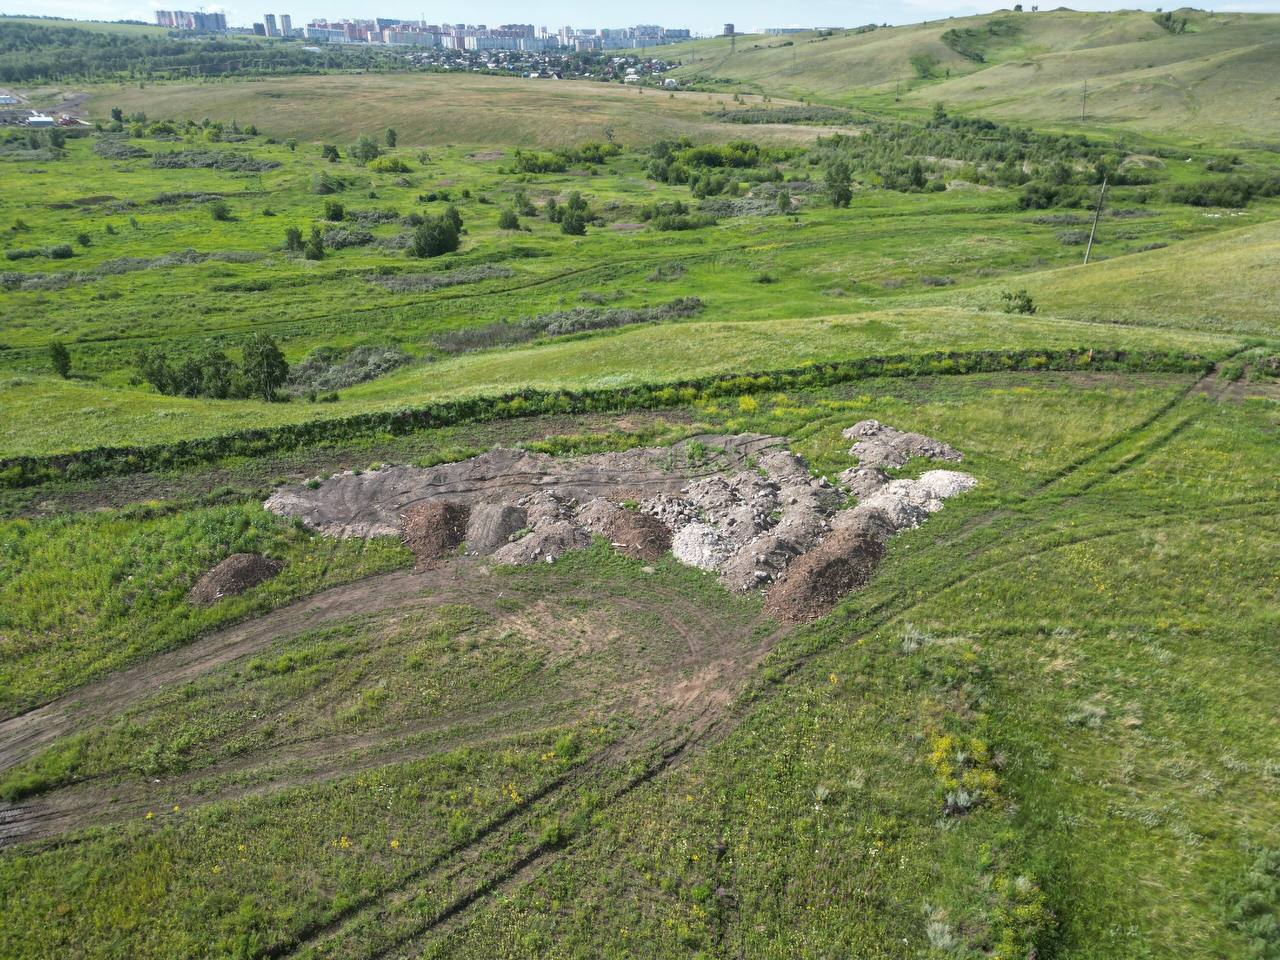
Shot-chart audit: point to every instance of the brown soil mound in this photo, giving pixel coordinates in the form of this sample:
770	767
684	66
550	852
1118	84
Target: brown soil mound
816	581
234	575
638	535
434	528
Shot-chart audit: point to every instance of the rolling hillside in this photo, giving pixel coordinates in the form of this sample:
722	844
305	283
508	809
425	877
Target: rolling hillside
1212	76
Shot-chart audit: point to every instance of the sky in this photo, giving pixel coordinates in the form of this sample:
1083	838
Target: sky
703	18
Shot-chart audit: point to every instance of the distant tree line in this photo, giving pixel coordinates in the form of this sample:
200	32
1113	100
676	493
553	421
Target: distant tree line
33	52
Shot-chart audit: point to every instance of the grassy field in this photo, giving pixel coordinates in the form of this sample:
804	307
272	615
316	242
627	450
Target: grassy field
467	110
1118	709
895	272
1204	82
1043	730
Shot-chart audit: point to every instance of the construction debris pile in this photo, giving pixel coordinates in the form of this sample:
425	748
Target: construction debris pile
744	507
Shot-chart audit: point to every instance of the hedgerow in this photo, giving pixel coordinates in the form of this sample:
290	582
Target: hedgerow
114	461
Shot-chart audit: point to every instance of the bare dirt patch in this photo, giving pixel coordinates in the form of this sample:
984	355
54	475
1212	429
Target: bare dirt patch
233	576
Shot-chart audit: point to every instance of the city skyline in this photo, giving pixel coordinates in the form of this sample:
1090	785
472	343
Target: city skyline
707	20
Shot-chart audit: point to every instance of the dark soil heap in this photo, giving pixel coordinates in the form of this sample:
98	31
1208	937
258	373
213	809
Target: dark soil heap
435	528
233	576
816	581
638	535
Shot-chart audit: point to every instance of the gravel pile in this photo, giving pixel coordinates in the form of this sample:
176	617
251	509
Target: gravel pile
881	446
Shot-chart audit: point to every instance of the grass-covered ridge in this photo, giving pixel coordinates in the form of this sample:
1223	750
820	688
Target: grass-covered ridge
187	264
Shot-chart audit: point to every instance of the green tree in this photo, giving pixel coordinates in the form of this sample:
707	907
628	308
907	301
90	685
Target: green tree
508	220
313	249
292	144
60	359
573	223
365	149
264	366
390	137
330	152
293	239
117	115
435	236
839	184
333	210
915	175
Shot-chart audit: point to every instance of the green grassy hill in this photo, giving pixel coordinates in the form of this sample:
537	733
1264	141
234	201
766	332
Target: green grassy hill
1213	77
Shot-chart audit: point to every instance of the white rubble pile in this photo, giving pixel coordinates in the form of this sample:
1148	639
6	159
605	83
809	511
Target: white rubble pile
881	446
746	520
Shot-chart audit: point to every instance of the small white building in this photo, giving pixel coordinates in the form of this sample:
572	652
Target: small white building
40	120
670	83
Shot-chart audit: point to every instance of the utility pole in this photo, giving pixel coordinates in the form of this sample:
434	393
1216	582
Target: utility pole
1096	214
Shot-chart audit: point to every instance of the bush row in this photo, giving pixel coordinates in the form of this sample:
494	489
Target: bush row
106	461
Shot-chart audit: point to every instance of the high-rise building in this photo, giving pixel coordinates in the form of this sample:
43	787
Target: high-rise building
190	20
728	30
286	25
259	30
269	22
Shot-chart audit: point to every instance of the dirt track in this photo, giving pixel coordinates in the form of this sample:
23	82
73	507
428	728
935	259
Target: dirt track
706	661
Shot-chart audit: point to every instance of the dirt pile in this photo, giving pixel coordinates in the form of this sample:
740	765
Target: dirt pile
819	579
233	576
743	507
640	536
435	528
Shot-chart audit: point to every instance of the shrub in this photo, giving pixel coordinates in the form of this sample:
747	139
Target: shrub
324	183
220	210
61	251
339	238
683	222
327	369
60	359
313	249
1018	302
333	210
508	220
293	239
212	160
389	165
421	282
573	223
435	237
330	152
